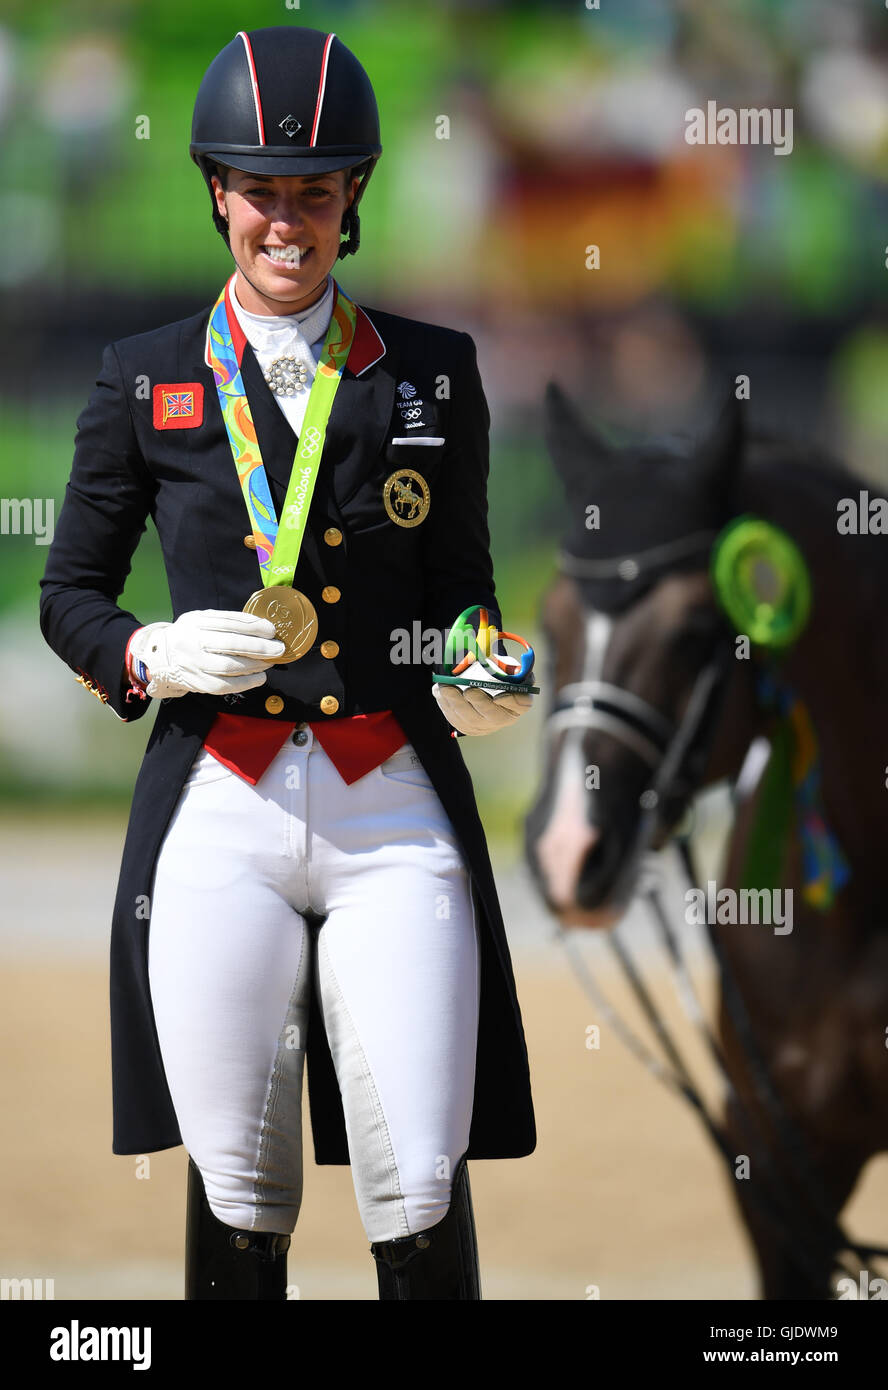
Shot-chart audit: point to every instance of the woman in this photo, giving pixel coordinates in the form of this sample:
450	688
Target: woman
305	873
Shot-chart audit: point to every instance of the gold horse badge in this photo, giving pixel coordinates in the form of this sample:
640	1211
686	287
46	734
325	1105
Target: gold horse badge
404	504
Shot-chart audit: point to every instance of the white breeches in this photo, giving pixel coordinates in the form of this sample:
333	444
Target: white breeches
365	888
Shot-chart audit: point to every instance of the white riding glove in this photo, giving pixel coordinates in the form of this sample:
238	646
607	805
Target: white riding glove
475	711
209	651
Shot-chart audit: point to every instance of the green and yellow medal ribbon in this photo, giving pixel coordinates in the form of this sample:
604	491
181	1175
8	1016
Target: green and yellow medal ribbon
278	543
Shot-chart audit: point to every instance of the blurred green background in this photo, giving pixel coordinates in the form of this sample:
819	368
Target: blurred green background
566	128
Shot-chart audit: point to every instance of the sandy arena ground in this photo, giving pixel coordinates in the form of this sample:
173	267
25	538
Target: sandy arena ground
623	1191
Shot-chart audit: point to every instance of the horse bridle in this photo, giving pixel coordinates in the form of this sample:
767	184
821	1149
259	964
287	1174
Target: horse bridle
667	747
630	567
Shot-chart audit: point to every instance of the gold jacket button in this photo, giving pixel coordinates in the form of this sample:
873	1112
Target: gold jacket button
274	704
329	704
333	535
330	593
329	649
250	542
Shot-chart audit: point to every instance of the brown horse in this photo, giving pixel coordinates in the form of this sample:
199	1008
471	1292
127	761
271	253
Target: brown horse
655	695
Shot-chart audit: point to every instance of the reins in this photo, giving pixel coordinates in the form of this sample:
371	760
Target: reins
667	749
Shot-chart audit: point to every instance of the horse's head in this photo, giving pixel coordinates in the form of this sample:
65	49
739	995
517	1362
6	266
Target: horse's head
638	651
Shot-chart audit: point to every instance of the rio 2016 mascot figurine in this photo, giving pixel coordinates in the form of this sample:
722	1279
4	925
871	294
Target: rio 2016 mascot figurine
305	876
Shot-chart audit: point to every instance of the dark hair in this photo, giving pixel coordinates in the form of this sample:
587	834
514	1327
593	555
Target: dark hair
223	170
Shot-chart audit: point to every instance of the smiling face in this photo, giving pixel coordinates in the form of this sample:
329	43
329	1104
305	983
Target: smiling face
284	235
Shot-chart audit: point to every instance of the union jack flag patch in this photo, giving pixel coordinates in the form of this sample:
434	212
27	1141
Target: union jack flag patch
178	405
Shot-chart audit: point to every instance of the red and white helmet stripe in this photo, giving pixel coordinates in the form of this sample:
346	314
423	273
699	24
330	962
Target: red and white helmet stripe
260	124
321	85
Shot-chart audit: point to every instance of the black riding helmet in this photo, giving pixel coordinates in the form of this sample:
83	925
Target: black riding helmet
289	101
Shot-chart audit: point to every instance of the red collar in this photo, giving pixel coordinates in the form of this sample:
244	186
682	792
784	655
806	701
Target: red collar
366	349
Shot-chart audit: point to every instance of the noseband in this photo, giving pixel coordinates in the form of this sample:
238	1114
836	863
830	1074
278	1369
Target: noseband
662	744
627	717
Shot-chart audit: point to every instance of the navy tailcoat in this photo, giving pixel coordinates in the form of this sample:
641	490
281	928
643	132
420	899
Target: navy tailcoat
151	442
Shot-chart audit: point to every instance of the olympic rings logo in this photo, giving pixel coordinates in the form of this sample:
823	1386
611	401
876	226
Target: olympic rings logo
412	414
310	443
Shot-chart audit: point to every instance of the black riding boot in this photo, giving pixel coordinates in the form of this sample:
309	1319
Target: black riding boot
223	1262
441	1262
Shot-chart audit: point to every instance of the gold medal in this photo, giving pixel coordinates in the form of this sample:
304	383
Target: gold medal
293	615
